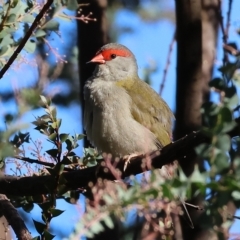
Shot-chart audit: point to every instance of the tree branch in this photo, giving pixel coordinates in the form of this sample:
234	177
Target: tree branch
46	164
34	185
14	219
26	37
165	71
180	149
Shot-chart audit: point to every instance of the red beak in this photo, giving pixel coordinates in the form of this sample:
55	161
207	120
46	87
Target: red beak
98	59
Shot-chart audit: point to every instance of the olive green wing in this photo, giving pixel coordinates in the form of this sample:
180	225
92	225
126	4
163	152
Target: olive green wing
150	110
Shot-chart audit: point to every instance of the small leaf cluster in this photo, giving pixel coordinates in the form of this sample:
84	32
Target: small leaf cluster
48	213
62	154
49	125
221	155
18	15
151	198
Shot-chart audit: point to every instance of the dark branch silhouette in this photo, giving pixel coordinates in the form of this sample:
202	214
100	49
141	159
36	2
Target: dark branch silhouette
14	219
80	178
180	149
26	37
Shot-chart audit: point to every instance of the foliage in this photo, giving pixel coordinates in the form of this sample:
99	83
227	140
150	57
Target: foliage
155	198
62	157
16	17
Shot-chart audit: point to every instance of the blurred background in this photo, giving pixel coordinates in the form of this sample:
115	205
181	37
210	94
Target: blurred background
57	69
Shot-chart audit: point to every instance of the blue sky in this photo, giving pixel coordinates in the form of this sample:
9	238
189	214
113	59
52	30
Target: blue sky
150	43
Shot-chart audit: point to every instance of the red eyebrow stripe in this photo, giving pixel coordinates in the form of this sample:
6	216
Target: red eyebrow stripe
118	52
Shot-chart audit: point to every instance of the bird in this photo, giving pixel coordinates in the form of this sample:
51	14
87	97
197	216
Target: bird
123	115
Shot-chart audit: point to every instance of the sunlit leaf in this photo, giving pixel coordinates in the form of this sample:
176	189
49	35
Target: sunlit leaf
30	46
72	5
40	33
52	25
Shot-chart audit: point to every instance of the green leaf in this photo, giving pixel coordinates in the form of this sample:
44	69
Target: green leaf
30	96
229	69
64	16
182	176
108	199
56	212
44	100
89	234
58	123
7	40
231	97
52	152
53	136
167	191
36	238
6	31
28	207
69	144
11	18
223	142
58	168
48	235
20	8
45	206
109	222
6	51
226	127
197	176
72	5
40	33
52	25
217	83
52	111
203	150
79	136
97	227
210	108
39	226
30	46
236	195
14	3
221	161
224	117
66	161
63	137
28	18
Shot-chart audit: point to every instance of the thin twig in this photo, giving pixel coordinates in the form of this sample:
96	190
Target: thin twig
167	63
5	17
231	49
26	37
194	206
225	37
47	164
228	18
30	160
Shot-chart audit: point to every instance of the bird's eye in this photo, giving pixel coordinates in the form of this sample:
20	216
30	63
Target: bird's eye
113	56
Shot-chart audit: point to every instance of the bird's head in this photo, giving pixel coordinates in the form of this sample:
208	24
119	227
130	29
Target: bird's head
115	62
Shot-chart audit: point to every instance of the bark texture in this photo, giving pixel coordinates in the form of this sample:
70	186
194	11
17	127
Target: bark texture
197	28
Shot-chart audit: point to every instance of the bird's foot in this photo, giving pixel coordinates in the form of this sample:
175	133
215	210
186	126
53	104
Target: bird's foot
127	159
